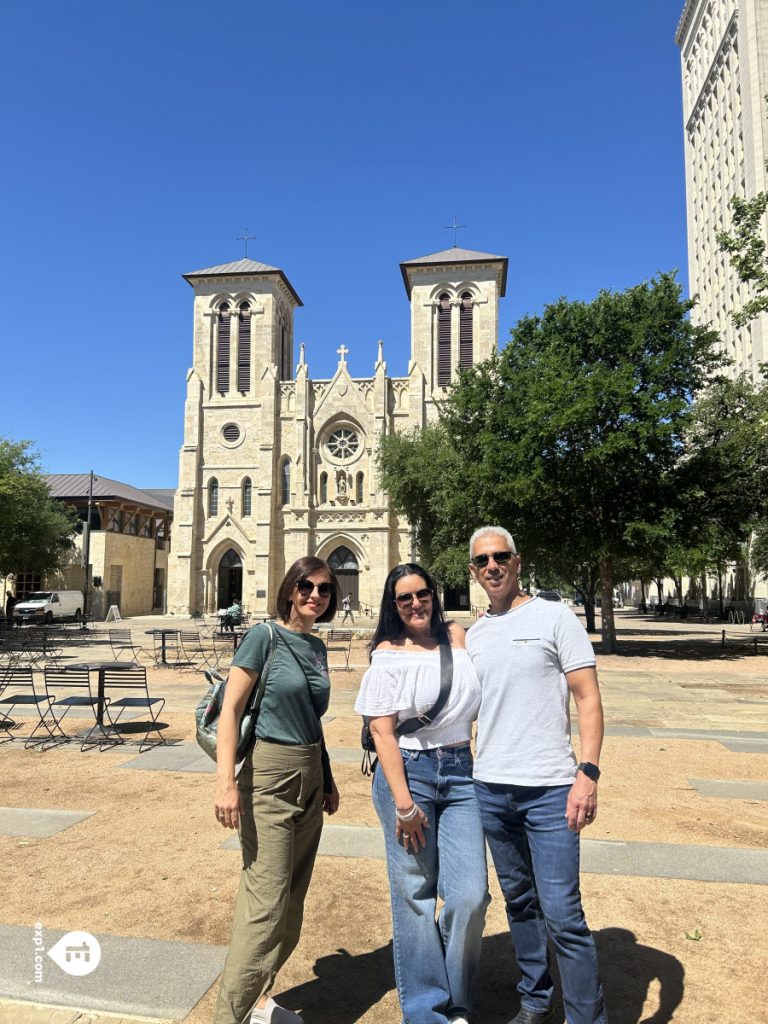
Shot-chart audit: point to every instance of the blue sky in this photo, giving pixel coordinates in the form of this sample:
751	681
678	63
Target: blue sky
142	138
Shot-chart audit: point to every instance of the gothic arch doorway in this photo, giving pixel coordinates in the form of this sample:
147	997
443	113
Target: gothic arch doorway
344	564
230	579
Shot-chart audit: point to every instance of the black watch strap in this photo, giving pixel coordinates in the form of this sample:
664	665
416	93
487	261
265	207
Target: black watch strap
590	770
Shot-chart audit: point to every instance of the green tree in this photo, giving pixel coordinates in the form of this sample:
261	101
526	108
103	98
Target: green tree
745	245
571	436
35	530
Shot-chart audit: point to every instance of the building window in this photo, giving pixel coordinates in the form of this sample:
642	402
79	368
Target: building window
465	331
231	432
285	483
444	341
222	351
285	354
244	348
213	497
359	488
247	496
323	488
343	443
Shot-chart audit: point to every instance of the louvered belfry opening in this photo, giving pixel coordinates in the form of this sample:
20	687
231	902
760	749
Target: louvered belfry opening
285	355
465	331
444	341
244	348
222	351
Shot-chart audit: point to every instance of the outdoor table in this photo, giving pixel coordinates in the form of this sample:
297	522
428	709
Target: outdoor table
162	633
100	667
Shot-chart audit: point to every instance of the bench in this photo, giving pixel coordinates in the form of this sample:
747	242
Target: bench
340	640
740	640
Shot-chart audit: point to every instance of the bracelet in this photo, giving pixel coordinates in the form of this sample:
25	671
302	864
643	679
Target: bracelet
410	814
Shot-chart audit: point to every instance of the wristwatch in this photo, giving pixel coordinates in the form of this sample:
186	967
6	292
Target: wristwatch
590	770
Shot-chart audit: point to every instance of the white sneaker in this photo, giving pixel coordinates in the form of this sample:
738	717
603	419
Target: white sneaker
274	1014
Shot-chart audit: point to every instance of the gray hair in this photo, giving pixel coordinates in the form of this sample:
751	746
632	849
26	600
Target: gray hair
492	531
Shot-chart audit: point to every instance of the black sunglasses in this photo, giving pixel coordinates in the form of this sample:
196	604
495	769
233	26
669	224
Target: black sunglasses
499	557
305	588
425	594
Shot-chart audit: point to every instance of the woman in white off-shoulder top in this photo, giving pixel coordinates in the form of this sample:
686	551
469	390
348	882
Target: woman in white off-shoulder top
425	799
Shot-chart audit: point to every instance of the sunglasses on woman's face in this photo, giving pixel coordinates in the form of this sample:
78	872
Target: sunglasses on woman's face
499	557
305	588
425	594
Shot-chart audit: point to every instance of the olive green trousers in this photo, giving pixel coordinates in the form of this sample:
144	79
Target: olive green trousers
281	791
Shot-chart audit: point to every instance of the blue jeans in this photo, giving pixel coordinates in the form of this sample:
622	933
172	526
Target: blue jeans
436	957
536	857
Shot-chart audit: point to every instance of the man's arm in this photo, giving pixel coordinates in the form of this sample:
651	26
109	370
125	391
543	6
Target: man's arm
581	809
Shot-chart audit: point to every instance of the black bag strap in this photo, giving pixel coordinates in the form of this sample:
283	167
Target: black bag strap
411	725
257	693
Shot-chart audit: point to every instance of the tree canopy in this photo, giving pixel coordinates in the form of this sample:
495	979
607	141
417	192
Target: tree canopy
572	436
35	530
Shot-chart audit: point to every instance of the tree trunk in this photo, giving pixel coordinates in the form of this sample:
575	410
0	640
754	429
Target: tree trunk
678	580
704	609
660	587
609	626
643	606
589	612
720	601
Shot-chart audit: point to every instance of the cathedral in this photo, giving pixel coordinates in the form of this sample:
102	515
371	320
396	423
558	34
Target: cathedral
275	464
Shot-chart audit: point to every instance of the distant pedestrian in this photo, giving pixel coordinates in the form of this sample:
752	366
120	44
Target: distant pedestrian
346	607
233	617
10	604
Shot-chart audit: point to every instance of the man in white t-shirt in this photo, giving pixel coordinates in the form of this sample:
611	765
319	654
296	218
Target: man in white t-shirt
531	655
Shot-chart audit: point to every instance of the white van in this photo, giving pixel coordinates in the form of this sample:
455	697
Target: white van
47	605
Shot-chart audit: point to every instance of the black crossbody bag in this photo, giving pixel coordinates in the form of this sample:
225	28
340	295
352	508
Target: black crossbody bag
411	725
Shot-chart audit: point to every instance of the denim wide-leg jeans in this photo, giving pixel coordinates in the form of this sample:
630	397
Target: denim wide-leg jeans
436	958
536	857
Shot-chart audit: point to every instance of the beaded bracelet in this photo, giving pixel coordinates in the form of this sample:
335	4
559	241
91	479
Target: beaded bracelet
409	815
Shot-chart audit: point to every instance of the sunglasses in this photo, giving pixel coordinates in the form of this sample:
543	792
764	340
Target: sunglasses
499	557
425	594
305	588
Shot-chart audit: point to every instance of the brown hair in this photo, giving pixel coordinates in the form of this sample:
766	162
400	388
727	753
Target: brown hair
300	569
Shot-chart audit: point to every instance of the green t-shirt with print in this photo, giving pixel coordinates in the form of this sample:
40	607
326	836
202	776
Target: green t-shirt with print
288	713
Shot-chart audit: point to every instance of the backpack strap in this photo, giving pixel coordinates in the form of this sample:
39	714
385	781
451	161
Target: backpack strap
411	725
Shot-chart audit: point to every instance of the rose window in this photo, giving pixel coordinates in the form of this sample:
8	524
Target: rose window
343	443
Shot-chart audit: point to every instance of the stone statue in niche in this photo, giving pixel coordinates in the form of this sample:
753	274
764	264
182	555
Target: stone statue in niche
342	495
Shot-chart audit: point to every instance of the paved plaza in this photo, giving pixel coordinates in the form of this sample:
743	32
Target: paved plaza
125	846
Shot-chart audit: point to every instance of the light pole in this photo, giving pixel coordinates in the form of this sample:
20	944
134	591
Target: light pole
87	548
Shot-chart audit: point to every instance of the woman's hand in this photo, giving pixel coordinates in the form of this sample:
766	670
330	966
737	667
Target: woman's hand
331	800
411	831
228	806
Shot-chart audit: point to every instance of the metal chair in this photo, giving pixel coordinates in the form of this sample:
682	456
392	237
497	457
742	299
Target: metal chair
79	679
17	690
193	652
339	640
134	681
122	644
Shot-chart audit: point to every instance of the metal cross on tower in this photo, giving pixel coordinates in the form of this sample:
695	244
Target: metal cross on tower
249	238
455	228
343	352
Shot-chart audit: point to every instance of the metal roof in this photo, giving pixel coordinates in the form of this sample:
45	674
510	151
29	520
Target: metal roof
455	255
242	268
74	487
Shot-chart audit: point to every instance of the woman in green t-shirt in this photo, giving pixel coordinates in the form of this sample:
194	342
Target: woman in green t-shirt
277	800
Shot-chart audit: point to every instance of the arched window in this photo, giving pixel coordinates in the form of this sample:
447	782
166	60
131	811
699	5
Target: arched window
359	488
213	497
465	331
247	496
285	483
444	341
323	488
244	348
222	350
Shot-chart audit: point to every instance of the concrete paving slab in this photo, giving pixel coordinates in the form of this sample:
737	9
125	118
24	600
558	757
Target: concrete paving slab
598	857
37	822
719	735
746	746
171	757
143	977
727	790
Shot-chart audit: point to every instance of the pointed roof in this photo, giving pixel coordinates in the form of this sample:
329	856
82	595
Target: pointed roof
242	268
453	256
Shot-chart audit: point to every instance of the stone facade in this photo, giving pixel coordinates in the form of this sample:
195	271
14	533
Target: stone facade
724	57
276	465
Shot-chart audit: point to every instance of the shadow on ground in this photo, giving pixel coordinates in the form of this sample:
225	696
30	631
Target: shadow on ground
347	986
684	649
